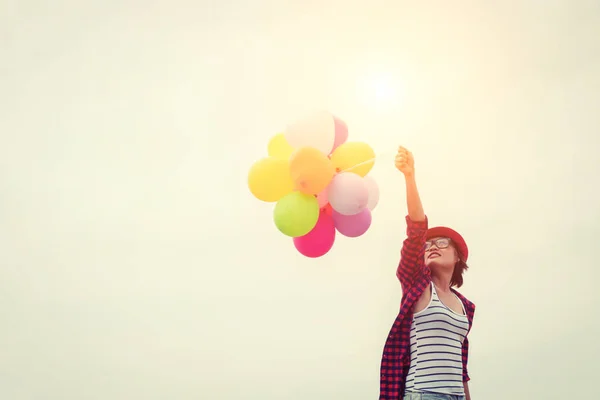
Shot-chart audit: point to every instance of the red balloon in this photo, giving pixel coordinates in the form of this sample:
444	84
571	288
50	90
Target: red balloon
320	239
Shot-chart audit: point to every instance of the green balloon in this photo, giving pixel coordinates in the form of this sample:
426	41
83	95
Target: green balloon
296	214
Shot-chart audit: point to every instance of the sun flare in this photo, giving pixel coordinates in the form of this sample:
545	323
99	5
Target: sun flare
381	92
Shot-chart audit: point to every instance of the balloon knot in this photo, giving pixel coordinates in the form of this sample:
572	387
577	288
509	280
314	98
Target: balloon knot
337	170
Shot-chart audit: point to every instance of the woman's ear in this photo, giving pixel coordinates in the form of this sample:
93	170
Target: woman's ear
457	255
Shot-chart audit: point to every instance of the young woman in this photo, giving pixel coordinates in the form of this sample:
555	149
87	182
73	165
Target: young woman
425	354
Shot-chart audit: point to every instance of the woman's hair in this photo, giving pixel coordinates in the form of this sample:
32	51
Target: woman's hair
457	275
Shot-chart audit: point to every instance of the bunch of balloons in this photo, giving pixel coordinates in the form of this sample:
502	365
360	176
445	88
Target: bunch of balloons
318	181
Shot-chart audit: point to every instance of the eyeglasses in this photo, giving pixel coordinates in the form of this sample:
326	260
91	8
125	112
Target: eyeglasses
440	243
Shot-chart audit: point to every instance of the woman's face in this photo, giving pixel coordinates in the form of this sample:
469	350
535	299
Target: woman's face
440	252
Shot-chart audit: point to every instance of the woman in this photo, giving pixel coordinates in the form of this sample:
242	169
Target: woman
425	354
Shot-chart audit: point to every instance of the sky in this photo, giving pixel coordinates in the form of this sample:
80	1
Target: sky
136	263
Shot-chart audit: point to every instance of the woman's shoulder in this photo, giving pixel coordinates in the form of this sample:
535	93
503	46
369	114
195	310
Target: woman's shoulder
468	303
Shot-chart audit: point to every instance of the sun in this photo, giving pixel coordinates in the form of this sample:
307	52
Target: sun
380	91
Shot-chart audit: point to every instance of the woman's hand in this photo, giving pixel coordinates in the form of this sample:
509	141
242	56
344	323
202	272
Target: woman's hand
405	162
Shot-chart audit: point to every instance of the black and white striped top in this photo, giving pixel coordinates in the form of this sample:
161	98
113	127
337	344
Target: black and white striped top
436	338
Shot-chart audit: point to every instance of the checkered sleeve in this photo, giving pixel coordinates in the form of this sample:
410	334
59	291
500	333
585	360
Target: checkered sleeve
412	253
465	359
465	346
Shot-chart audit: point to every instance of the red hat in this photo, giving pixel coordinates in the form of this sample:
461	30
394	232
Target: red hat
457	239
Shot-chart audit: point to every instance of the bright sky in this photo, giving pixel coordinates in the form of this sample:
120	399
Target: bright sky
136	264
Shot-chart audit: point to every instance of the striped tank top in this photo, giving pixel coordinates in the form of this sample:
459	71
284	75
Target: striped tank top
436	338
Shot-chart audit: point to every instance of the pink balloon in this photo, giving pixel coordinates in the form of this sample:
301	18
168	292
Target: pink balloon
341	133
348	193
373	190
322	198
352	225
319	241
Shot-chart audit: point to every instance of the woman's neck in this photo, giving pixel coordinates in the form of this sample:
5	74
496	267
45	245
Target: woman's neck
442	283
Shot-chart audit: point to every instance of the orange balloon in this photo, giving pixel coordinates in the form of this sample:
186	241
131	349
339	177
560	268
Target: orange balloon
311	170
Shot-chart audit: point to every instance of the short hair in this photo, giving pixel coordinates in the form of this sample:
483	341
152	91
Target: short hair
457	274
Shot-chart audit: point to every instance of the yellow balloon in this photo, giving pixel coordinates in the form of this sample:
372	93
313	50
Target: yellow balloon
269	179
279	147
357	157
311	170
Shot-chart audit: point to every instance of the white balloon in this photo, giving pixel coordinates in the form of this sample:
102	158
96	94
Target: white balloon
316	130
347	193
373	189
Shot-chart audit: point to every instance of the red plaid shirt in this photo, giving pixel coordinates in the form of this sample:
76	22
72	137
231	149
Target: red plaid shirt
414	277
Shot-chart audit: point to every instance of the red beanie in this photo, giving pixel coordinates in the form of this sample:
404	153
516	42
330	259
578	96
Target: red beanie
457	239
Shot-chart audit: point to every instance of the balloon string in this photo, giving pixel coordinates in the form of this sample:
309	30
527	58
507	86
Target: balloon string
372	160
358	165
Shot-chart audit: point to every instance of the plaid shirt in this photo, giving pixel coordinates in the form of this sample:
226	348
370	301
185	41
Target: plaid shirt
414	278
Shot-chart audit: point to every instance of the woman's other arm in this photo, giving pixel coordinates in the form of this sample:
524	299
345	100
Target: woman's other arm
411	257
